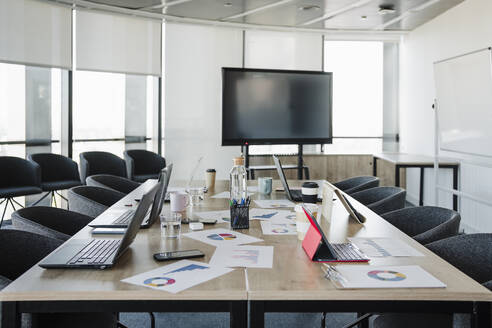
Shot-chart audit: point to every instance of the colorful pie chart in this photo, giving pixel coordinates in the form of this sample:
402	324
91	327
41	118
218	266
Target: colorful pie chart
159	281
221	236
386	275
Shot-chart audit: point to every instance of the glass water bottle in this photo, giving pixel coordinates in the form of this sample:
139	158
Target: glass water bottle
238	186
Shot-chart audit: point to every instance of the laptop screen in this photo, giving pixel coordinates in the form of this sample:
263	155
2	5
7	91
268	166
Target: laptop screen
134	226
160	195
281	174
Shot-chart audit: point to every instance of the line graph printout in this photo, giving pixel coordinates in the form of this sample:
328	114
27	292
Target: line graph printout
178	276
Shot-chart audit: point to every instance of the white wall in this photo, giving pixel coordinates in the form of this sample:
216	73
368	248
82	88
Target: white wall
464	28
194	56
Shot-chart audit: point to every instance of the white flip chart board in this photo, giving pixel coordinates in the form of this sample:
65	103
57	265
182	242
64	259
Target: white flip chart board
464	103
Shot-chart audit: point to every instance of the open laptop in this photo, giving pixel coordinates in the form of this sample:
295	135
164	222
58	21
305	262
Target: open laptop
294	195
99	253
122	221
319	249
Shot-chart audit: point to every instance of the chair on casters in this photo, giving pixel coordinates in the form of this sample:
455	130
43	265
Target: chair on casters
112	182
101	162
142	164
18	177
57	173
471	254
355	184
425	224
382	199
92	201
51	222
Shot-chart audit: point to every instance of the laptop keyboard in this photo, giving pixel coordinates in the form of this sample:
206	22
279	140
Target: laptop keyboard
347	252
124	218
97	251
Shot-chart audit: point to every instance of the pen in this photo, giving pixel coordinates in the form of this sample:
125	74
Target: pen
332	272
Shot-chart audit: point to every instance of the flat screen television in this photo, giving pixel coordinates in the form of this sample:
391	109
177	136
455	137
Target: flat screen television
276	107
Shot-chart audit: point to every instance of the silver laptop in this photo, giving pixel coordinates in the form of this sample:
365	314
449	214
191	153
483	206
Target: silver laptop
99	253
123	219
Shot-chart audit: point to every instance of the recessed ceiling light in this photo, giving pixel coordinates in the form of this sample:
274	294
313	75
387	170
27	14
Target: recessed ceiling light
386	9
227	4
363	17
309	7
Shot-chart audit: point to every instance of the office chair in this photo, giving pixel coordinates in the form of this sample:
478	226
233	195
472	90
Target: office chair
425	224
355	184
112	182
57	173
142	165
18	177
51	222
101	162
382	199
92	201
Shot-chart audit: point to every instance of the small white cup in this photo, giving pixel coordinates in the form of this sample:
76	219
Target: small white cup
179	201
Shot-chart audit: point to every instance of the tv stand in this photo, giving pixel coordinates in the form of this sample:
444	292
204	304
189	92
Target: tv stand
302	170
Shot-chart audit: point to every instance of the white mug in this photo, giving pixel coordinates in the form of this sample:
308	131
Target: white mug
179	201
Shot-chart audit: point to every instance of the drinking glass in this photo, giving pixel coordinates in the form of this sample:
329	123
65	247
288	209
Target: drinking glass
196	195
171	225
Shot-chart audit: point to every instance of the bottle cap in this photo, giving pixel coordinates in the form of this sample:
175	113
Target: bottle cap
238	161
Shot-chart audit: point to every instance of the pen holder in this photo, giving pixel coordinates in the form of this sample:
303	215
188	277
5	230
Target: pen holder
239	216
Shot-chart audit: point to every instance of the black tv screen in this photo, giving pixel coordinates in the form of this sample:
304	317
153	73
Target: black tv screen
276	107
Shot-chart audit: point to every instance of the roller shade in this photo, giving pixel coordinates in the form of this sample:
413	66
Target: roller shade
35	33
114	43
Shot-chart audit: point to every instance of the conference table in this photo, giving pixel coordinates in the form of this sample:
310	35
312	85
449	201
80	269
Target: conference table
293	284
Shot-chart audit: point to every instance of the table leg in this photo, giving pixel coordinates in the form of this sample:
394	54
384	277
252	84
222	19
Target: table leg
455	187
257	314
374	166
481	315
10	317
306	173
252	172
421	193
397	175
239	314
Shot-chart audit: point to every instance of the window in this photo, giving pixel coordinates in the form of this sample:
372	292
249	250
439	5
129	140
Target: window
357	95
113	112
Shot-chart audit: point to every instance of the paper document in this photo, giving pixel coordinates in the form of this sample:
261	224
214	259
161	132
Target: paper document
221	216
243	256
384	247
274	203
227	195
368	276
178	276
270	228
221	237
272	215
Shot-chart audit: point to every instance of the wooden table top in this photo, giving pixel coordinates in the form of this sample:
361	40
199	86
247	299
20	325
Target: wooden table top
413	159
293	276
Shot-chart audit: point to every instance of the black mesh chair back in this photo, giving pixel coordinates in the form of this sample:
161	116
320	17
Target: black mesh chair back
92	201
425	224
143	164
356	184
57	172
382	199
101	162
19	177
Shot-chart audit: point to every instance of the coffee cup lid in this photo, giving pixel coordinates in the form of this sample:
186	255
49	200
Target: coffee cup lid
210	170
310	184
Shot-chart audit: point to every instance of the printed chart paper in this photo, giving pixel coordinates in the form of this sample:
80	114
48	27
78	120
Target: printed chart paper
368	276
220	216
274	203
243	256
221	237
384	247
270	228
272	215
178	276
